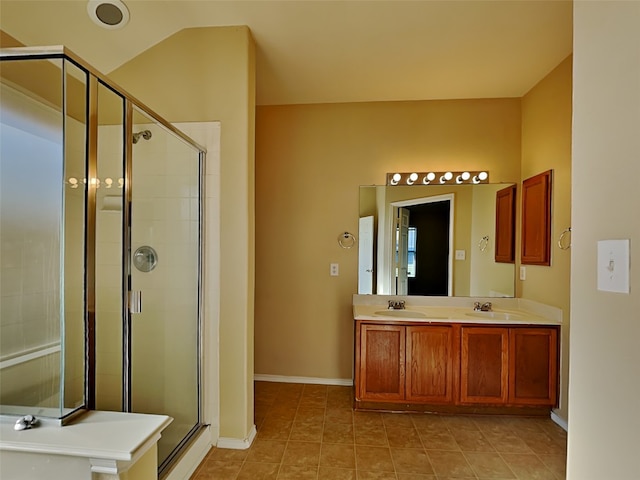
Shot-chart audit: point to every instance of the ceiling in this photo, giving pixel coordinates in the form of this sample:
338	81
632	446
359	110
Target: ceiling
325	51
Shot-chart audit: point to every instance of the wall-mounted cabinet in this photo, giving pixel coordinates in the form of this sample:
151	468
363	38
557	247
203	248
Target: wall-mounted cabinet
505	251
536	220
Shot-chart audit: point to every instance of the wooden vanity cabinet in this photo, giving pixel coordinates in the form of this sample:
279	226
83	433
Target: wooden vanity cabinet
404	363
453	365
484	365
533	366
429	364
509	366
380	358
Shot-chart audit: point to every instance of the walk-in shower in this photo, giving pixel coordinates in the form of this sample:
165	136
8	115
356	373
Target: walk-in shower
101	257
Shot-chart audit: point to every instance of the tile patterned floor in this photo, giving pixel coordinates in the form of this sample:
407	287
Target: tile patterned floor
311	432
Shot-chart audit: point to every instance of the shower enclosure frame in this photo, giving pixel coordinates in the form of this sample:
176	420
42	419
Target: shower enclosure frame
94	79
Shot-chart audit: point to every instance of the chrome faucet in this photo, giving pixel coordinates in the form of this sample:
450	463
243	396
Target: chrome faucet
396	304
484	307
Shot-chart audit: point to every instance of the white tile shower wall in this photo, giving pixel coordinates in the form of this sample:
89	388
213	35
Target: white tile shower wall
166	187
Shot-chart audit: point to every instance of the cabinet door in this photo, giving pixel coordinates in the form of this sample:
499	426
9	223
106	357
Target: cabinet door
505	225
536	220
533	366
381	363
429	361
484	365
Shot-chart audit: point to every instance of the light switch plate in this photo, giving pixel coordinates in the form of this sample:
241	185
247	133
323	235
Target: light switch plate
613	266
461	254
523	272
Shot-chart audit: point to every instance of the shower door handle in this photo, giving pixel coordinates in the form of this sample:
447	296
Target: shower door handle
135	301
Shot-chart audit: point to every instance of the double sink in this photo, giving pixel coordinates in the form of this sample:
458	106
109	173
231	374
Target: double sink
494	315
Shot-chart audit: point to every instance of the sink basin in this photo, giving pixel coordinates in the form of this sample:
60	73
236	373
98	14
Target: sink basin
496	315
401	313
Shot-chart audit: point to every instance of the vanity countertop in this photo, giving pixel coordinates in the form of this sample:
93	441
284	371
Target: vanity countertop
507	311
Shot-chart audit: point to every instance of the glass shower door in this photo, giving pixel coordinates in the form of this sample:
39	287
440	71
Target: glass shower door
164	280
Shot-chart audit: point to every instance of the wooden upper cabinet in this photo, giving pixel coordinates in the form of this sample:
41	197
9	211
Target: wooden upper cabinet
536	220
381	363
533	366
505	225
484	365
430	366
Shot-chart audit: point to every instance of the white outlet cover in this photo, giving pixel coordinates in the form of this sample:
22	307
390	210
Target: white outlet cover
461	254
613	266
334	270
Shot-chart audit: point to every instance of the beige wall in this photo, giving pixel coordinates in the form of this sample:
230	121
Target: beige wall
605	327
546	145
201	75
310	162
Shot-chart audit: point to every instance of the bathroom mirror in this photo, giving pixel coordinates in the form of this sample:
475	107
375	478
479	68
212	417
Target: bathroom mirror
431	240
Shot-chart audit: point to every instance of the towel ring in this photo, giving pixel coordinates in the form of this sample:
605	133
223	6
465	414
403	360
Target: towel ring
483	243
562	245
346	240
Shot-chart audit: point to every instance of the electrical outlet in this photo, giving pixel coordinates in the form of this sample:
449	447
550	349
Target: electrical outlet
461	254
335	270
523	273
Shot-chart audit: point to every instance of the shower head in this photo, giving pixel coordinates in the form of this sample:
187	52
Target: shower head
146	134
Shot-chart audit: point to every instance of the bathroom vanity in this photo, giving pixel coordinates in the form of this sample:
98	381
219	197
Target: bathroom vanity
441	355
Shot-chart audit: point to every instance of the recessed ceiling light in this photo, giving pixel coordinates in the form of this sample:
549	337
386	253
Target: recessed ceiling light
111	14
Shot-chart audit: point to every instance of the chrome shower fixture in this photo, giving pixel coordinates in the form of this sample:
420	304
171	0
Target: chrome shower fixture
146	134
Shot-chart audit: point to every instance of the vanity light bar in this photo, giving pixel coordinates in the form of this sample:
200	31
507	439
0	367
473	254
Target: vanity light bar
437	178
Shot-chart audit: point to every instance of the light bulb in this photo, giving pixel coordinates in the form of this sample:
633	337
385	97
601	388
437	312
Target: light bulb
431	176
395	179
483	175
108	182
448	176
73	181
465	176
412	178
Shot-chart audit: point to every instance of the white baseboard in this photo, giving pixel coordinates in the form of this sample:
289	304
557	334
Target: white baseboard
237	443
346	382
560	421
